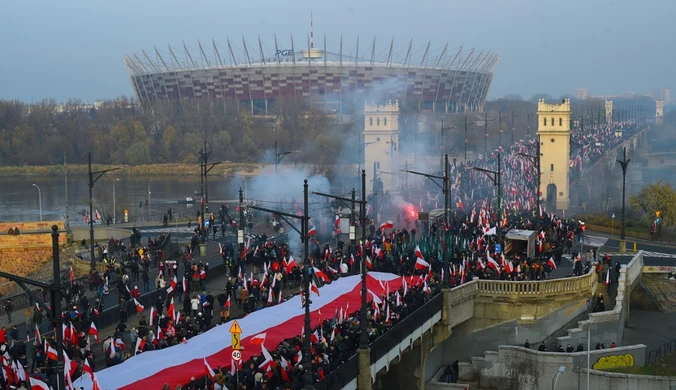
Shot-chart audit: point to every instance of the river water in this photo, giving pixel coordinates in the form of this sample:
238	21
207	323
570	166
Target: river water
20	201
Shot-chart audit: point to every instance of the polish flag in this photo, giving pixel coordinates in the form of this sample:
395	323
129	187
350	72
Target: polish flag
97	216
480	264
351	259
509	267
38	339
285	367
421	264
258	339
279	300
269	297
208	370
337	223
489	231
37	384
312	231
268	363
321	275
171	309
227	303
290	264
93	331
140	345
418	252
139	307
403	282
369	265
87	368
551	263
152	316
608	277
86	218
492	263
51	353
298	358
71	275
220	249
387	225
314	337
314	288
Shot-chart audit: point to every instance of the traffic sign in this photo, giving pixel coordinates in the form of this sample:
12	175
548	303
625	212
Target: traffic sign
657	214
498	248
236	355
234	328
236	341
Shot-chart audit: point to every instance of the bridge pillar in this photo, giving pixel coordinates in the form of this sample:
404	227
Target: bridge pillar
609	111
364	377
424	352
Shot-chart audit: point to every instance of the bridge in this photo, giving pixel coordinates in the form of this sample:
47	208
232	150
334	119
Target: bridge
464	321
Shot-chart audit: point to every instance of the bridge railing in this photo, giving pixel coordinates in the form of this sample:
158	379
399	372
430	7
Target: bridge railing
576	284
390	339
341	376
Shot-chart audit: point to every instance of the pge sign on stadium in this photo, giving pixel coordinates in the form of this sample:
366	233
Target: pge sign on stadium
283	53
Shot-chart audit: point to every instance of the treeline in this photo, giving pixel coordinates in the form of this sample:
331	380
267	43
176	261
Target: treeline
119	132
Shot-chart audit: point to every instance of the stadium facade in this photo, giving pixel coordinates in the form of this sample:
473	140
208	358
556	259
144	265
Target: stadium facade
421	78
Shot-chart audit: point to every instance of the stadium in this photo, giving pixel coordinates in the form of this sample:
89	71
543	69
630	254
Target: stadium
422	78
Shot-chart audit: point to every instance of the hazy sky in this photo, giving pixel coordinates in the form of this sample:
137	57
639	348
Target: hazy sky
74	48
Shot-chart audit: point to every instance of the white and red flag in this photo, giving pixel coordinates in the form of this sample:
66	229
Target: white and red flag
551	263
387	225
93	331
421	264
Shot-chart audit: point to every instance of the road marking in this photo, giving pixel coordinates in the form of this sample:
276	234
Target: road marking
178	230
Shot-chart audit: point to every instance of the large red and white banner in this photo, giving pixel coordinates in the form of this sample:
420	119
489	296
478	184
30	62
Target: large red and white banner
152	369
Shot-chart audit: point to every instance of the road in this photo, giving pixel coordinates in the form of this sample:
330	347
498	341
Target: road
655	253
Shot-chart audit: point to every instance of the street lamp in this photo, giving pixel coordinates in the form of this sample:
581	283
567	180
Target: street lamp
93	180
204	170
466	139
280	155
536	161
362	150
486	132
307	275
114	202
624	163
496	178
442	143
39	199
445	188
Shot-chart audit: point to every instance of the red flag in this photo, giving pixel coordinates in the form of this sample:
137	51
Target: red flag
227	303
93	331
551	263
314	288
421	264
312	232
337	223
268	363
608	277
369	265
418	253
71	275
387	225
87	368
171	308
258	339
37	384
86	218
97	216
51	353
139	307
321	275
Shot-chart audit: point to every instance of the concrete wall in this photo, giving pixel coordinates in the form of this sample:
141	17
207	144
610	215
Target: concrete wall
517	367
466	341
608	327
609	380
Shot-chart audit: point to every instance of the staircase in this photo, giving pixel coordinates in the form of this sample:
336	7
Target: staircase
608	300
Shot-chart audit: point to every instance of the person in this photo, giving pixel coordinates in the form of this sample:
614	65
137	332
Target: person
8	309
613	345
448	374
600	303
570	348
560	349
542	347
526	344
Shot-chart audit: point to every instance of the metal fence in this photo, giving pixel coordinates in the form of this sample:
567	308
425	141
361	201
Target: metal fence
349	370
661	352
22	300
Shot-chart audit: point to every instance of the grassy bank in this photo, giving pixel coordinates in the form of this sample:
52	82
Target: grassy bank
135	170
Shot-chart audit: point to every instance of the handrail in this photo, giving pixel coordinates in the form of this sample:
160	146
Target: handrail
537	287
660	352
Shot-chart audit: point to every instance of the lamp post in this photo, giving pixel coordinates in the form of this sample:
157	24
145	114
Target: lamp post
363	332
445	188
205	168
307	275
442	143
114	202
39	199
466	139
513	127
623	163
362	153
536	161
486	132
280	155
93	177
496	178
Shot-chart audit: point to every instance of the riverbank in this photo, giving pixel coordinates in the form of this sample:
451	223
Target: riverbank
235	169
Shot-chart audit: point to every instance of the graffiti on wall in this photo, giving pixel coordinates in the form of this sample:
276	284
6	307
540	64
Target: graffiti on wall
614	361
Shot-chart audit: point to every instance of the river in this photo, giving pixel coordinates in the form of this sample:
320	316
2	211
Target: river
20	200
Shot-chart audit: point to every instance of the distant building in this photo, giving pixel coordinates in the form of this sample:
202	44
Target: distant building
661	94
581	93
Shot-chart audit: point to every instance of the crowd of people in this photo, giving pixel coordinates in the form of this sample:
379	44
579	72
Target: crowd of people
185	308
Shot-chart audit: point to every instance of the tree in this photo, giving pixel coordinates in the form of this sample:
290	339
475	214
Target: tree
660	196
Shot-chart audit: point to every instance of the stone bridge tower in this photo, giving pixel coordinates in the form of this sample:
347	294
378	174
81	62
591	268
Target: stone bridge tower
554	137
381	142
659	111
609	111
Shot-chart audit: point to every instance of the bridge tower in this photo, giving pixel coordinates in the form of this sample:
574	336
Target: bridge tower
554	136
659	111
381	143
609	111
